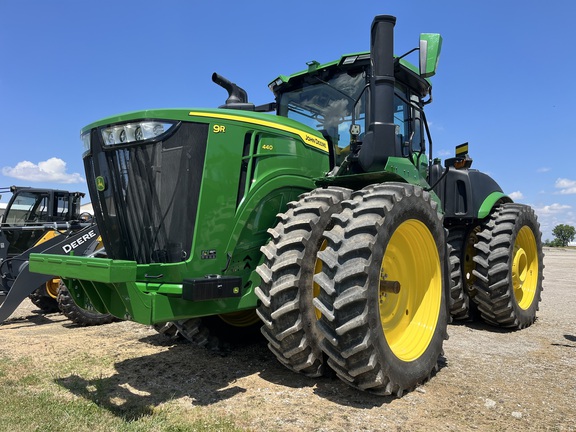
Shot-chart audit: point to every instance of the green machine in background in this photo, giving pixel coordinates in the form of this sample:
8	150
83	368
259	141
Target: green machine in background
329	221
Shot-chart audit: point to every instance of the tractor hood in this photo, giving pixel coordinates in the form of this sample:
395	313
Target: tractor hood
149	173
130	121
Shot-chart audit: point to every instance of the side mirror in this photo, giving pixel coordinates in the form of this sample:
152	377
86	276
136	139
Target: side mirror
430	47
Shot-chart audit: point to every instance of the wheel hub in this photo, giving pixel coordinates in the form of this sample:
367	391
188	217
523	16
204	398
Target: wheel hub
519	268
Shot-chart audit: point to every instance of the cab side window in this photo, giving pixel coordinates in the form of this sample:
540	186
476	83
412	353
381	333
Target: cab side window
409	123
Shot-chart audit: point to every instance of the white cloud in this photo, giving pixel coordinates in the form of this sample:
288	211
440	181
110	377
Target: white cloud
551	215
51	170
552	209
566	186
516	195
543	170
445	153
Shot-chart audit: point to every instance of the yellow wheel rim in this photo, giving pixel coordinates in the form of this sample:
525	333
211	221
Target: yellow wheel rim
318	269
52	287
244	318
525	268
409	318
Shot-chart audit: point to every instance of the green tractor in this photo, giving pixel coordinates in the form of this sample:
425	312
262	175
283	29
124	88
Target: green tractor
329	221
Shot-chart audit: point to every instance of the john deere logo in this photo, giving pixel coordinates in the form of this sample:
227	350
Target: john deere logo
100	184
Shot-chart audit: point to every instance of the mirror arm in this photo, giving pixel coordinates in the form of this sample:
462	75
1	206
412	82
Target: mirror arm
409	52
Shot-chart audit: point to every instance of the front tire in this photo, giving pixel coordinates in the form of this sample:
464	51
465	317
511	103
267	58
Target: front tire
509	267
384	287
287	288
220	333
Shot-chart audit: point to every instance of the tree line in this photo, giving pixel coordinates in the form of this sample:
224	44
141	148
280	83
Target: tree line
563	234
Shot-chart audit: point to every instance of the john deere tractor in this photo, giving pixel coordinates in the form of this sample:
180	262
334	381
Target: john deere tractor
329	217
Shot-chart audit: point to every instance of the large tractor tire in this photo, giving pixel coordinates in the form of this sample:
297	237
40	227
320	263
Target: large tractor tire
459	297
45	296
198	334
220	333
168	330
384	286
76	314
287	288
462	241
509	266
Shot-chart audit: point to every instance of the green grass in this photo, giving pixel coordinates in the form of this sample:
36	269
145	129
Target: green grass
37	399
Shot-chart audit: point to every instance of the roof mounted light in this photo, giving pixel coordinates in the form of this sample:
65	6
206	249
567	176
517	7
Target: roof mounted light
351	59
277	82
134	132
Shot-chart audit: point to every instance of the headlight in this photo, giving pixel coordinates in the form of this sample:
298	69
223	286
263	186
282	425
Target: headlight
85	137
132	132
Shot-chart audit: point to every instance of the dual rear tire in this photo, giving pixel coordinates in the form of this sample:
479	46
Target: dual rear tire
365	281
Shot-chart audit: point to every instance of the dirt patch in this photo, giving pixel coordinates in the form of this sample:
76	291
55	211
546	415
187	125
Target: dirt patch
490	380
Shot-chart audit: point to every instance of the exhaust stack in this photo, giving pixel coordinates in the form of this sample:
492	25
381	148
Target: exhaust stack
380	139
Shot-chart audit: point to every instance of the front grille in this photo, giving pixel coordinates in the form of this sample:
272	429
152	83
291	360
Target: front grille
148	209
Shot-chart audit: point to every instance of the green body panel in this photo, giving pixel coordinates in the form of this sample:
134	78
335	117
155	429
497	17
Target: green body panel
99	270
490	202
281	160
396	170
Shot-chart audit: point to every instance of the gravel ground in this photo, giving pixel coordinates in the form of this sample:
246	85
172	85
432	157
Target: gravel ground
491	380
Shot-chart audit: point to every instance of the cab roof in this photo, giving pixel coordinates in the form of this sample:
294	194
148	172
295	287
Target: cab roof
404	72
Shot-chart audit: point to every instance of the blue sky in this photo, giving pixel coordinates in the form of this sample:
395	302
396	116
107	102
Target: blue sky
503	84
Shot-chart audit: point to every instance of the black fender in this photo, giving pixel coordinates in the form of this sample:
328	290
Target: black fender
468	194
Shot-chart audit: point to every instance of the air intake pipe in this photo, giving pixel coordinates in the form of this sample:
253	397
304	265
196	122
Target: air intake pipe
237	96
380	140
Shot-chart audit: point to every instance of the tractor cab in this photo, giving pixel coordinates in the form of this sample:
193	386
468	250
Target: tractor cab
33	207
333	98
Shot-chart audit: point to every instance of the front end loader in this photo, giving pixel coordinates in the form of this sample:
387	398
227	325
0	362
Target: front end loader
329	221
36	219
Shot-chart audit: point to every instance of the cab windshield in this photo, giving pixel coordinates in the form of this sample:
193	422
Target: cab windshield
324	101
27	207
